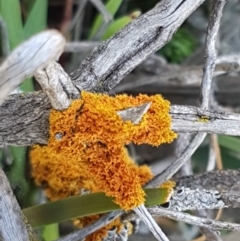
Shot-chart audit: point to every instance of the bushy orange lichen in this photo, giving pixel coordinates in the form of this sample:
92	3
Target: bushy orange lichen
90	150
86	148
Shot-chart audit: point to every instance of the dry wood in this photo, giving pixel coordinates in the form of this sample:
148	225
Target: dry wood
34	54
201	222
114	59
14	225
24	120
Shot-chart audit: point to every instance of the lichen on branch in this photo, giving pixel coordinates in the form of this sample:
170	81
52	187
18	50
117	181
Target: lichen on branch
86	148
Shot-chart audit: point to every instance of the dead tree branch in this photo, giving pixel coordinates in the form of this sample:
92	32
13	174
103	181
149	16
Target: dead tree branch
14	225
193	220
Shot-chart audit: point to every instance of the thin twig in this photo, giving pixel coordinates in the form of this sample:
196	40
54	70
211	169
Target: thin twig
175	166
209	66
106	16
205	92
79	13
102	9
209	234
81	47
183	76
193	220
97	73
210	51
145	216
81	234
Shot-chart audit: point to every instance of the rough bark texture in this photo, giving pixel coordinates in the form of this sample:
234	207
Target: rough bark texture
114	59
13	224
24	118
227	182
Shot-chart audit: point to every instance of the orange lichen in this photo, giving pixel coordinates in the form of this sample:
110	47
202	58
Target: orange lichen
86	148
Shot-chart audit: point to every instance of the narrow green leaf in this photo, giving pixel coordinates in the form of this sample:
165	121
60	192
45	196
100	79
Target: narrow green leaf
84	205
37	18
35	23
118	24
16	174
229	142
11	14
28	4
112	6
50	232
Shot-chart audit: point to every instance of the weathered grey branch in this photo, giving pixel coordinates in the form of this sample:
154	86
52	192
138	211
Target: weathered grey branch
132	45
173	76
58	86
194	119
13	224
221	180
204	96
81	47
175	166
210	51
81	234
225	182
24	120
145	216
35	53
201	222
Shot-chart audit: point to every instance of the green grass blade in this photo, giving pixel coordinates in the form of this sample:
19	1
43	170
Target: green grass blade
84	205
229	142
11	13
112	6
118	24
50	232
37	18
16	174
35	23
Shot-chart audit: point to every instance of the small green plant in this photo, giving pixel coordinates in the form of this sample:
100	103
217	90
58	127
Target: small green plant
181	46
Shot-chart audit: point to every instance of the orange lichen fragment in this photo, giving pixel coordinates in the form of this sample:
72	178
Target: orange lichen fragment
86	147
102	233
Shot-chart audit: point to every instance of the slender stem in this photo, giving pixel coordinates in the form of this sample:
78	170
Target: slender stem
145	216
193	220
175	166
81	234
210	51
